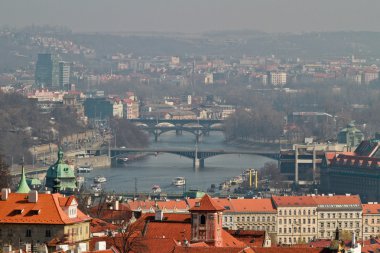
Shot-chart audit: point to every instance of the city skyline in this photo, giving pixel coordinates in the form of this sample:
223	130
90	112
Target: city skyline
195	16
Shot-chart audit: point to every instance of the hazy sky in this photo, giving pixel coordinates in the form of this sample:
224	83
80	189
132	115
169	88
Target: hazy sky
194	15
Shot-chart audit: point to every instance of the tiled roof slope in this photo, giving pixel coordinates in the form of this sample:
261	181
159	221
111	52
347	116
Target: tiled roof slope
47	210
206	204
284	201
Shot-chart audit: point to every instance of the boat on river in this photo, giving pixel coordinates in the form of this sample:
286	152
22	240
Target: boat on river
179	181
122	160
84	169
100	179
156	189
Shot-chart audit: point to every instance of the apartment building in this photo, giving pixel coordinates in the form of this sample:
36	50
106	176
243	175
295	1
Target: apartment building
296	219
277	78
371	220
338	211
247	214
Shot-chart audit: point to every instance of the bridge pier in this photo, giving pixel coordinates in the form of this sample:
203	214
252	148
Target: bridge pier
178	132
198	163
155	135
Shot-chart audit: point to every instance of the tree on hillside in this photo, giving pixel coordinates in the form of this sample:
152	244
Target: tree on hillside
5	177
127	134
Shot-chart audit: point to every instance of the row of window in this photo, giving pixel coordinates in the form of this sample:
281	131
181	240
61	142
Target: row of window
296	230
250	218
339	215
297	212
294	221
258	228
372	221
293	240
339	224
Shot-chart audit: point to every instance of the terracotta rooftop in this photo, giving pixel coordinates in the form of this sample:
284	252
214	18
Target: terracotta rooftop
253	205
291	250
47	210
371	209
337	200
282	201
98	225
206	204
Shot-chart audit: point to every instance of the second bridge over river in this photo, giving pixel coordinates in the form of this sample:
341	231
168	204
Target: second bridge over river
197	155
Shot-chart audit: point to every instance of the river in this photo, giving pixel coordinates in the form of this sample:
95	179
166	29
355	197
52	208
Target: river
163	168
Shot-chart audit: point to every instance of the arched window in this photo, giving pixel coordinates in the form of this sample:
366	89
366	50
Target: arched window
203	219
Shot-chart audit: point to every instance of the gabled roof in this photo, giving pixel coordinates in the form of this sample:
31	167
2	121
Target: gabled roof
206	204
47	210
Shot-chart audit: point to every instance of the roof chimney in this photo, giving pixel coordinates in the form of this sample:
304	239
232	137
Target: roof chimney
33	196
159	215
116	205
101	245
5	193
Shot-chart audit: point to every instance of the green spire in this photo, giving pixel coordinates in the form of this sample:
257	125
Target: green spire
60	156
23	186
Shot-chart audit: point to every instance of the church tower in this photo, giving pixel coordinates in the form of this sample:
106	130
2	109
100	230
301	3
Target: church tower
206	222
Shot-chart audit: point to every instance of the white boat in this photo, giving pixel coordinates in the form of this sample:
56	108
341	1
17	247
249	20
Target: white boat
100	179
84	169
122	160
179	181
156	189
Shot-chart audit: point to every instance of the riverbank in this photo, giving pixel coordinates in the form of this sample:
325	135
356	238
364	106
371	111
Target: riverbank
250	144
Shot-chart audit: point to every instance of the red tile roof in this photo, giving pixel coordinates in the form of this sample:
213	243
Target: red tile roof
253	205
249	237
337	200
176	217
47	210
283	201
206	204
182	249
171	205
371	209
98	225
291	250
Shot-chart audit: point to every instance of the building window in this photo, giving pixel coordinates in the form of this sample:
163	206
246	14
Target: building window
28	233
203	219
280	230
48	233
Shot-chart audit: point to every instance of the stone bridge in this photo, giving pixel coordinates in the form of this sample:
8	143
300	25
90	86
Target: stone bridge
198	156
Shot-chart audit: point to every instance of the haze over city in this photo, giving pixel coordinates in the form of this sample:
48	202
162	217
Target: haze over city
195	16
198	126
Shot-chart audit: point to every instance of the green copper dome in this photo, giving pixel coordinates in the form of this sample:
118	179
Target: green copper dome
60	176
23	186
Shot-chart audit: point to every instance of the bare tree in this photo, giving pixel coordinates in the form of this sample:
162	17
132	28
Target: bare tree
5	177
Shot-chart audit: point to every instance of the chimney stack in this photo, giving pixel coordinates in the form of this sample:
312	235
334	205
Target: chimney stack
116	205
101	245
159	215
33	197
5	193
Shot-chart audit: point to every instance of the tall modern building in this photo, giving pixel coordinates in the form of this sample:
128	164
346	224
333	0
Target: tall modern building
64	75
47	71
